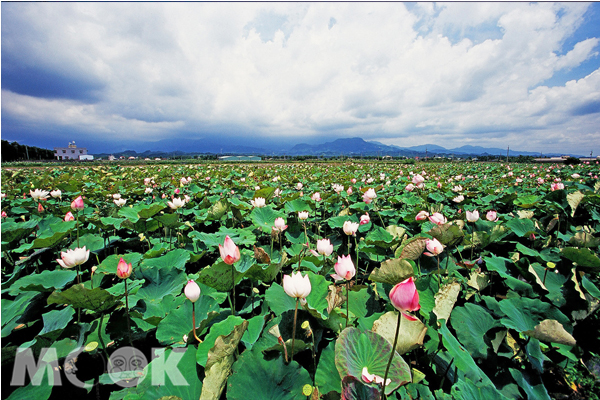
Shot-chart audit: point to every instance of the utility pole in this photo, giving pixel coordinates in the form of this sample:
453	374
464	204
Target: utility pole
27	152
507	149
426	153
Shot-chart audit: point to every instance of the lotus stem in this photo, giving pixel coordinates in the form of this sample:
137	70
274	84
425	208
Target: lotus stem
232	289
347	302
294	329
100	337
77	224
194	322
127	310
387	369
439	272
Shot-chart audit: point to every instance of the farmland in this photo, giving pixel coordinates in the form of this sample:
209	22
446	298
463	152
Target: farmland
452	281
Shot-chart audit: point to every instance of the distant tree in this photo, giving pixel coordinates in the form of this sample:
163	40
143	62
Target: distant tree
572	161
15	152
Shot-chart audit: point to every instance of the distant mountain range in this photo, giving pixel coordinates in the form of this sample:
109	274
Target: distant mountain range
346	147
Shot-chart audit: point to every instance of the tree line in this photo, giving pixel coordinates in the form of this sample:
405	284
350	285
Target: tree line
14	151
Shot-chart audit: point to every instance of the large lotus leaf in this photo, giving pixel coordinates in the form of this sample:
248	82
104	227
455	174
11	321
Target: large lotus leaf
354	389
255	328
584	239
412	249
445	299
523	314
552	331
217	210
148	211
471	323
46	281
173	259
264	272
521	227
169	220
534	392
355	350
265	193
56	320
256	378
410	335
170	375
590	287
110	221
463	360
178	322
130	213
220	276
90	241
468	390
583	257
220	360
13	311
550	281
447	234
241	237
161	283
97	299
527	201
15	231
574	199
49	237
324	379
392	271
222	328
38	388
264	218
378	236
296	206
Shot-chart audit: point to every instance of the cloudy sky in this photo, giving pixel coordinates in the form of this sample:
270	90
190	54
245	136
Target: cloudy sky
116	75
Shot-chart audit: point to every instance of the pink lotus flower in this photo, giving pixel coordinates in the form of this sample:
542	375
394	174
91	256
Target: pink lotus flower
418	180
350	227
439	185
344	268
405	297
299	186
77	204
369	195
177	191
410	187
438	219
302	215
296	285
192	291
38	194
176	203
324	247
365	219
472	216
124	269
69	216
316	196
557	186
368	378
73	257
3	214
230	253
56	193
422	216
434	246
349	191
338	188
279	225
491	216
258	202
40	208
353	180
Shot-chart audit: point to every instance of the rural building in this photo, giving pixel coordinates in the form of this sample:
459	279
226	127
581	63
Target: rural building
86	157
71	152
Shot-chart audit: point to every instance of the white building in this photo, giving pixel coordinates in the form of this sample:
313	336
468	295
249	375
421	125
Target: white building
72	152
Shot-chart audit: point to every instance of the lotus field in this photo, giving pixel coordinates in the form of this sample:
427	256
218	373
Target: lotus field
301	281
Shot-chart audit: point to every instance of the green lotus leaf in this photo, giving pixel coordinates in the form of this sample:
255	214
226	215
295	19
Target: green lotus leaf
278	380
356	349
97	299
